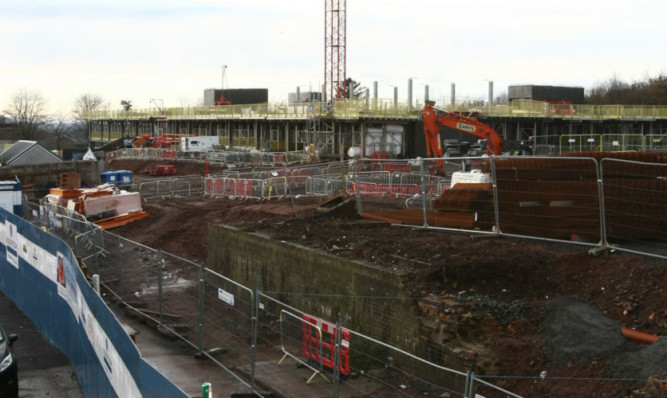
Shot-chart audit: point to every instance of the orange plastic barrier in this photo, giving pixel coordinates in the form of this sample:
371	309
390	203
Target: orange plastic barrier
311	343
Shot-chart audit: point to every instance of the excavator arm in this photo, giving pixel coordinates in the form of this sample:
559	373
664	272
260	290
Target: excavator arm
473	127
434	118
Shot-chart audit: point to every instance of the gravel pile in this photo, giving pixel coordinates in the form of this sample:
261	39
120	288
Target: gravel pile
504	312
646	361
576	331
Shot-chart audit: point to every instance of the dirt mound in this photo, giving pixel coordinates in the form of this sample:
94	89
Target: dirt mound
641	361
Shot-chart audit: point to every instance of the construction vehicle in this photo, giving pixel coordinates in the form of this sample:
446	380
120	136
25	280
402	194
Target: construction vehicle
199	143
488	140
162	170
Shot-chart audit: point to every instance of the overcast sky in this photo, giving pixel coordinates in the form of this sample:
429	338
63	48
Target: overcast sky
174	49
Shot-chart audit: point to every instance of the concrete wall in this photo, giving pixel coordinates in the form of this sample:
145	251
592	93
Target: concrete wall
334	288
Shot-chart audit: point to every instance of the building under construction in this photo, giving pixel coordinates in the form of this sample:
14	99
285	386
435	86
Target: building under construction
330	128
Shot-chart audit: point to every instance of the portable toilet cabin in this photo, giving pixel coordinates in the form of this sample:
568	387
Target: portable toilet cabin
10	197
124	178
109	177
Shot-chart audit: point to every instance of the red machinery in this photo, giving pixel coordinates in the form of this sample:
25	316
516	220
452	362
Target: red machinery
222	100
163	170
435	117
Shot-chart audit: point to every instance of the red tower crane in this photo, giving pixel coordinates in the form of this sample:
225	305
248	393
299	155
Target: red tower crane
335	16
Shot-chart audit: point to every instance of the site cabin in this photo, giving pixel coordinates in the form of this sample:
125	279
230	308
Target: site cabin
10	197
199	143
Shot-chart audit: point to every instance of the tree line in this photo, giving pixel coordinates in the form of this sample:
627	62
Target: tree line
652	91
27	110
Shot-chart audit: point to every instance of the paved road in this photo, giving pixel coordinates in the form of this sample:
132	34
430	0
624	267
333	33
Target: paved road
43	369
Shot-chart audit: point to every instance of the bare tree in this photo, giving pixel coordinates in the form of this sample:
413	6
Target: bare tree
59	129
26	108
84	104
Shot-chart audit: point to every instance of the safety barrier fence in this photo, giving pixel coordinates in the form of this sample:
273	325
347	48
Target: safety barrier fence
277	182
174	187
238	328
570	143
562	144
370	178
142	154
602	203
301	340
390	108
243	157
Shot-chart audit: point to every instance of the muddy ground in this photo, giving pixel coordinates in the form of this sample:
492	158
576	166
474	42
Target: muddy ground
555	308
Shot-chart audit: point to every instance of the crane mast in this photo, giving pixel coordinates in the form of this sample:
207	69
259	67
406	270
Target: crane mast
335	16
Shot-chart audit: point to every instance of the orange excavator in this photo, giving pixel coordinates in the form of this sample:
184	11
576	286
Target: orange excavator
435	117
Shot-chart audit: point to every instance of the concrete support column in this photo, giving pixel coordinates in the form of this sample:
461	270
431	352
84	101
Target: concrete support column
453	95
395	97
286	137
410	95
375	90
490	93
426	97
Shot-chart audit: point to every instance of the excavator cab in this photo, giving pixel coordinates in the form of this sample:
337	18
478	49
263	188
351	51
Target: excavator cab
454	148
518	148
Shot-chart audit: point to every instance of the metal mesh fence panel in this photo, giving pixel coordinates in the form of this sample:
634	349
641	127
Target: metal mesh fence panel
570	143
282	328
301	341
323	184
635	205
185	186
398	372
402	192
226	320
655	142
552	198
622	142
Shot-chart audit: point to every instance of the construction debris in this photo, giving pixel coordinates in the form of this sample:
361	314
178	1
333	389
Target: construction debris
105	205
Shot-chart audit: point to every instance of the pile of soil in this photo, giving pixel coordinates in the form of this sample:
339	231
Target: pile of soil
557	309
